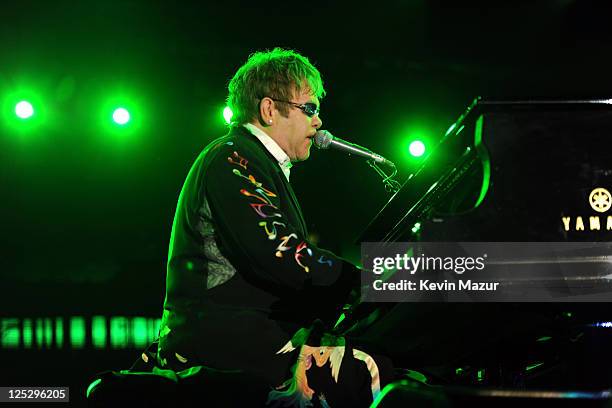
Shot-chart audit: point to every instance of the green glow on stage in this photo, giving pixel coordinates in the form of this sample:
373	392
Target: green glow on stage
48	332
411	140
227	115
139	332
119	327
24	110
121	116
27	333
10	333
77	332
417	148
125	332
39	333
59	332
98	332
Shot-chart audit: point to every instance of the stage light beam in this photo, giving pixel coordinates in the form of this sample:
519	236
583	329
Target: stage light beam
417	148
98	332
24	110
121	116
77	332
227	115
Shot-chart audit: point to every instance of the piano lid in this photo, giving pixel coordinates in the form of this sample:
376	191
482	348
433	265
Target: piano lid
510	171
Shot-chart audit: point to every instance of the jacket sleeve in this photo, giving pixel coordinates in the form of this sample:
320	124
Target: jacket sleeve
246	208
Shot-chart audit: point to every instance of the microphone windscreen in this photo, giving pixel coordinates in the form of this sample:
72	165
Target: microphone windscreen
323	139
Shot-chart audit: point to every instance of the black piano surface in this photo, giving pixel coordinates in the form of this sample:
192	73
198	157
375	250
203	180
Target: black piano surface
506	171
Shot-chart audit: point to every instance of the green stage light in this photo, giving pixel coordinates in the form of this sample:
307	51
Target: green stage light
98	332
412	138
121	116
139	332
59	332
9	330
119	335
125	332
227	115
417	148
27	333
24	110
77	332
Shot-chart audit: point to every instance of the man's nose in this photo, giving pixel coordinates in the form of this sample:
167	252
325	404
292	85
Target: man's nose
317	122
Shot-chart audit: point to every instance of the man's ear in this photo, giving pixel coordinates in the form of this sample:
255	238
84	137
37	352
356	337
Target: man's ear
266	111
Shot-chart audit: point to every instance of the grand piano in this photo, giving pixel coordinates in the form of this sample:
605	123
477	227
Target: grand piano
509	171
505	171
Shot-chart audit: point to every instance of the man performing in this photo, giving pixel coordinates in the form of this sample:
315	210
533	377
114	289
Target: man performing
242	276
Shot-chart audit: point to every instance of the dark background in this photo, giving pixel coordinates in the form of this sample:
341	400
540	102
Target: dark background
86	209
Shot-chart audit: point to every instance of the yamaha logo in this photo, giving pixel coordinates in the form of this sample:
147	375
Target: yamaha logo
600	201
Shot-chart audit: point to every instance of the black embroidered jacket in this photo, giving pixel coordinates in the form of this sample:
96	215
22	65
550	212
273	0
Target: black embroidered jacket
242	276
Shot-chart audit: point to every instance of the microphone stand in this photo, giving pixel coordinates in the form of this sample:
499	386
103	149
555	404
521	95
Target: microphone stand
391	185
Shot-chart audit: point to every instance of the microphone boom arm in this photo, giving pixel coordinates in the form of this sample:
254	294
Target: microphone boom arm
360	151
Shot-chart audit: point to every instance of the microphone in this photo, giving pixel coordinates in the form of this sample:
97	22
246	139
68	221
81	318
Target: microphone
324	140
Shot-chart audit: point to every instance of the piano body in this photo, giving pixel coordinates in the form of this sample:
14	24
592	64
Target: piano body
508	171
521	171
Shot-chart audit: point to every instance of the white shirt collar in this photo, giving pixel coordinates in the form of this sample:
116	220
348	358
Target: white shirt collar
279	154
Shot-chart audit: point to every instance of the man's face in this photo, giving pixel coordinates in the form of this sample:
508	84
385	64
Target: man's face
297	130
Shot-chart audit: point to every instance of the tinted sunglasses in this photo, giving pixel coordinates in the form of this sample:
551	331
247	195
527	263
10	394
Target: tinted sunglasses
310	109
